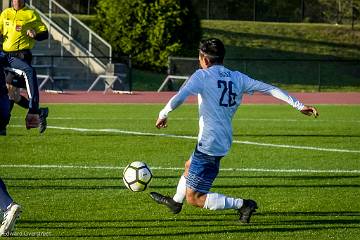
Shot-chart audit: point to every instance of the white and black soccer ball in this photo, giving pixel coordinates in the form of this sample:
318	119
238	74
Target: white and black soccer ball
137	176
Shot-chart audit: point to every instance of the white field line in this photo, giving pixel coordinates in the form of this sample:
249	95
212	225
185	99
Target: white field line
192	137
180	169
298	147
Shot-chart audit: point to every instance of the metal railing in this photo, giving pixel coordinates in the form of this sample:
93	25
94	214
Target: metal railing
74	30
68	73
307	74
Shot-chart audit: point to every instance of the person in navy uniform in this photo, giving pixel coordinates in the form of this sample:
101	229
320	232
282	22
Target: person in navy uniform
32	119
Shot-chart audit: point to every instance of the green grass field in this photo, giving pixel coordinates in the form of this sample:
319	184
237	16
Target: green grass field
285	40
303	172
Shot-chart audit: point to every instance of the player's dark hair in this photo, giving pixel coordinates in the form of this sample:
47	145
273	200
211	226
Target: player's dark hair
213	49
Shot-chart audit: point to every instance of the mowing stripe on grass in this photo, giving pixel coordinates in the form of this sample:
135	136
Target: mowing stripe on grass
180	169
192	137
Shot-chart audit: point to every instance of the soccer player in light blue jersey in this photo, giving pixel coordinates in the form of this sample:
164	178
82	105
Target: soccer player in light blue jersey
219	92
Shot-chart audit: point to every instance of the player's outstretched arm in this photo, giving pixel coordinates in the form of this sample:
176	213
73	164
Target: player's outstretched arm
310	111
161	123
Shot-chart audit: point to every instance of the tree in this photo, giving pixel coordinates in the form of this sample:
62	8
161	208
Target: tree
337	11
148	30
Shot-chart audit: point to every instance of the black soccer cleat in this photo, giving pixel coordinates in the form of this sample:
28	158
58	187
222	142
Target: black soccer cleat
44	112
248	208
174	207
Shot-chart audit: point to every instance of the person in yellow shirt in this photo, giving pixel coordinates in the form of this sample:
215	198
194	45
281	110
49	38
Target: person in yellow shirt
21	27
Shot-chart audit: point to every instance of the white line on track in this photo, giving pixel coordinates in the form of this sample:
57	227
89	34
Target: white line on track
180	169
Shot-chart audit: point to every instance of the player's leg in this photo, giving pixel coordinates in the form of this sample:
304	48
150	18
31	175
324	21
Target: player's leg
180	190
4	113
5	199
21	79
9	77
14	92
4	99
201	175
44	112
29	82
181	187
16	97
23	102
175	203
11	211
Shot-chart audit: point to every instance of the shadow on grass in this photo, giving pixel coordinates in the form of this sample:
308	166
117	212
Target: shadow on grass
293	214
181	232
311	214
194	224
211	217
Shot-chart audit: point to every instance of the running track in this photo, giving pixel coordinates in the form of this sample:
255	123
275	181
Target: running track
163	97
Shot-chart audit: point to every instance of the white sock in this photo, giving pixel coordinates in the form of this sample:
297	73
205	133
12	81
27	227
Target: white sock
180	190
216	201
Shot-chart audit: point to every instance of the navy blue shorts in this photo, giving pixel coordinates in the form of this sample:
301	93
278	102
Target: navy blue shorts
202	171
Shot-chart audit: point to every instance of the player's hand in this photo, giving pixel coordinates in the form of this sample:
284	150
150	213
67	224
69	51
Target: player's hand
32	120
310	111
31	33
161	123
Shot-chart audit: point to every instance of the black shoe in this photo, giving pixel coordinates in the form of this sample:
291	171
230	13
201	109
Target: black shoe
3	132
44	112
248	208
174	207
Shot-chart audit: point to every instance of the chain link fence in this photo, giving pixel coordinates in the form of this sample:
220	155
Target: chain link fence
305	74
323	11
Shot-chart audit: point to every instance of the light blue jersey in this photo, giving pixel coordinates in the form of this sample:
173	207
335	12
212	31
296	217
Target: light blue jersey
220	93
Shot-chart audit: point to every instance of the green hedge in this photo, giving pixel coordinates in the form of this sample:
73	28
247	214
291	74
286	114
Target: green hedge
148	30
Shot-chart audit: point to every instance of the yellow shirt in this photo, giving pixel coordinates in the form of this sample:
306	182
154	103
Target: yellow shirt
13	27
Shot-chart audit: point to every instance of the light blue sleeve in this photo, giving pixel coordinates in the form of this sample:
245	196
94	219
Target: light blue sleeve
250	86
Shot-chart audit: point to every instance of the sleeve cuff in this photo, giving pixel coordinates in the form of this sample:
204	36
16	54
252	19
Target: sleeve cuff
163	114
